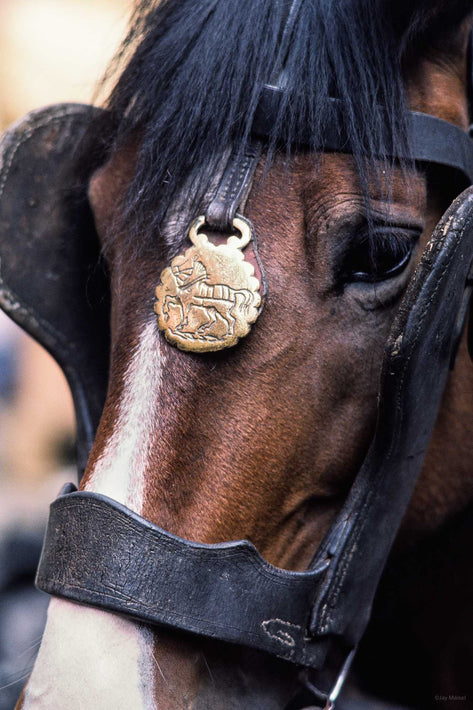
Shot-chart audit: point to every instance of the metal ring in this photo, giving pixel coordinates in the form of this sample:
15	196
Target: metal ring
243	225
240	224
196	225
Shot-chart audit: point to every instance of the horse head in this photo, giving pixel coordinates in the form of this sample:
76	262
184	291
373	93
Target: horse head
263	442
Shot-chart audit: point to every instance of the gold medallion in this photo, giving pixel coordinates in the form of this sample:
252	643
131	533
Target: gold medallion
209	297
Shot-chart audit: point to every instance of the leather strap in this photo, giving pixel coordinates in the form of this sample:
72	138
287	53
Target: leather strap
234	187
414	378
237	179
432	140
51	281
225	591
290	11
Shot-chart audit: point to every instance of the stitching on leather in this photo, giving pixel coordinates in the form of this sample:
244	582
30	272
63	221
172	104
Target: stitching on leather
233	185
340	577
326	617
227	183
282	636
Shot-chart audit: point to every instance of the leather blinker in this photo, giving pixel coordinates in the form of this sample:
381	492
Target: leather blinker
52	282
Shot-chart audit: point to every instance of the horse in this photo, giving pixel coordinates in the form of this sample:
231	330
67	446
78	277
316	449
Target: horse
262	441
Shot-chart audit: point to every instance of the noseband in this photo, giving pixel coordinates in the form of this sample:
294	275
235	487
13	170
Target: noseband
313	619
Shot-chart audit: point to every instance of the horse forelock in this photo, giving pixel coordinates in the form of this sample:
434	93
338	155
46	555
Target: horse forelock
187	112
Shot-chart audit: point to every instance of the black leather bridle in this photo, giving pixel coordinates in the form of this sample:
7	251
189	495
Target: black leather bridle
313	619
227	591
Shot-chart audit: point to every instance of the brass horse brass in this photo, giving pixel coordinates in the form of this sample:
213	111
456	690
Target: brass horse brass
209	297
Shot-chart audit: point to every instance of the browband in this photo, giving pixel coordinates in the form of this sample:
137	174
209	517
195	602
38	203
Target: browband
431	139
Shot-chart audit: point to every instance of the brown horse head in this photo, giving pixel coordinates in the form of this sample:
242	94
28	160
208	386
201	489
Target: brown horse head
263	441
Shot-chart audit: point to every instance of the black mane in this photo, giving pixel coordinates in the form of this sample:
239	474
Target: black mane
194	70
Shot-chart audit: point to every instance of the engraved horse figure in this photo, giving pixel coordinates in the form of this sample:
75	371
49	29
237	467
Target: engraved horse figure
195	291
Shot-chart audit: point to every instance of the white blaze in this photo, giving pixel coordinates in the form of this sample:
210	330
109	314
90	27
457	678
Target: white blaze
90	658
120	470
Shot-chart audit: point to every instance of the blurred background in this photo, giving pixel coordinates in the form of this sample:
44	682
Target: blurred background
50	51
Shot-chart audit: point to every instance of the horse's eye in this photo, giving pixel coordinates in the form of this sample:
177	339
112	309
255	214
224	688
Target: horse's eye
380	254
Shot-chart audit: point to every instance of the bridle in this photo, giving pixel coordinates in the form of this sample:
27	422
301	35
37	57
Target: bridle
227	591
313	619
